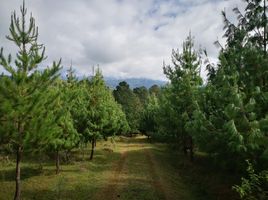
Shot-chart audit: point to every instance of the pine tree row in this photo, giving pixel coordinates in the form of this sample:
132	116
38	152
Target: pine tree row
227	115
41	113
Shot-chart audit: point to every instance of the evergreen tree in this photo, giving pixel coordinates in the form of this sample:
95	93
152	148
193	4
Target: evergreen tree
26	107
233	116
80	110
66	134
142	93
106	117
168	118
246	48
130	103
149	116
155	89
184	82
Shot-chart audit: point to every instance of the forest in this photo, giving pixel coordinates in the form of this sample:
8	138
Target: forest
193	138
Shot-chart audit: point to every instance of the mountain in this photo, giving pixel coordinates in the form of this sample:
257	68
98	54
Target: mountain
133	82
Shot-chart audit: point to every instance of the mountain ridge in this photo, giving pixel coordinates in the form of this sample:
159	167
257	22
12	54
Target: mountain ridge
133	82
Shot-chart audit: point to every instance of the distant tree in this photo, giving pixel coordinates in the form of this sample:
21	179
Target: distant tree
130	103
148	123
117	123
155	89
142	93
27	106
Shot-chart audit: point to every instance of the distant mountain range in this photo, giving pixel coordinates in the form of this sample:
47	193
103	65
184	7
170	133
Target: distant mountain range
133	82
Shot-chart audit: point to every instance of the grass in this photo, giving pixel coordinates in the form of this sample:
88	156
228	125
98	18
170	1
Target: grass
134	169
78	180
201	178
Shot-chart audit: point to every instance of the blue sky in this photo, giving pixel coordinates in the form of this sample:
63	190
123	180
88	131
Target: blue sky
126	38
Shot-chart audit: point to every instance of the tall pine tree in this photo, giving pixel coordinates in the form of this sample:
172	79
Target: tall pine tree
26	103
184	79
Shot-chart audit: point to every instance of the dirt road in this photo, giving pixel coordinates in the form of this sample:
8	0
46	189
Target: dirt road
140	174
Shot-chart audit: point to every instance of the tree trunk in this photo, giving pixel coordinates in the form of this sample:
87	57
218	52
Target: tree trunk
67	156
185	150
95	143
92	149
192	153
57	157
188	145
18	189
40	161
83	150
191	147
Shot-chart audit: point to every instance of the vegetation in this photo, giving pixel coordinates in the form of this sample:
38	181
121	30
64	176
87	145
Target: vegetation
131	104
255	187
222	121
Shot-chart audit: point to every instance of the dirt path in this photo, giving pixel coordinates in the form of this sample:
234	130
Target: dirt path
137	175
110	190
157	184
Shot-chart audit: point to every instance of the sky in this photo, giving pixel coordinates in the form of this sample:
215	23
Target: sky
125	38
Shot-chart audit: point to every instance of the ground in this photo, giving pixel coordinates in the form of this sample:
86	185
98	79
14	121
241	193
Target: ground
127	169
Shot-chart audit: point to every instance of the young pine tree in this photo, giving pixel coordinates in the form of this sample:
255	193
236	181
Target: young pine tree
105	116
148	124
26	102
232	122
66	135
184	82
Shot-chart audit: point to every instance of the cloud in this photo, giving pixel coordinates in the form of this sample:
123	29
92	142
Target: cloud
126	38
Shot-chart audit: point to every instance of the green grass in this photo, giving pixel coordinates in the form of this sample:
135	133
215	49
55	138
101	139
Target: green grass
78	180
135	169
201	179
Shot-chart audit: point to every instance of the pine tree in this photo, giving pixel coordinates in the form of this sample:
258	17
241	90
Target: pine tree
184	79
26	105
130	103
66	135
143	95
233	115
105	115
149	124
155	89
97	115
246	48
168	118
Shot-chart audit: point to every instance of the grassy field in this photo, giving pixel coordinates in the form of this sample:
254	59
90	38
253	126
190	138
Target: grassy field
129	169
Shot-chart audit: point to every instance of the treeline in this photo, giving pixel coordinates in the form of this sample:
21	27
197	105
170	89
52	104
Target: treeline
134	103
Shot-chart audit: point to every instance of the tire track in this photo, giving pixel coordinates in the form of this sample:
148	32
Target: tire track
109	192
156	183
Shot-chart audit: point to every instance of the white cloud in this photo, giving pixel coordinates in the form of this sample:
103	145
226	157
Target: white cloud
127	38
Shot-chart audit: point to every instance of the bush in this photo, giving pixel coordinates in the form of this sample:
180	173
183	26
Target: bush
255	187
